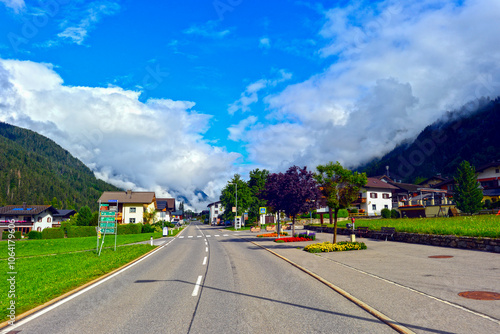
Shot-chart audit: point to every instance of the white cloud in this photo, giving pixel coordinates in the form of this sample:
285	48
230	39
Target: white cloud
265	43
131	144
236	131
209	29
16	5
394	71
250	95
77	32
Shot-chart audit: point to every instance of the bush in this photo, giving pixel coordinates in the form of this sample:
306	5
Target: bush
5	235
386	213
34	235
355	210
81	231
343	213
129	228
53	233
394	213
147	228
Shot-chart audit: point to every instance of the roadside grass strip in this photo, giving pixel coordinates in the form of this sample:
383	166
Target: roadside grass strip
26	248
487	226
42	278
325	247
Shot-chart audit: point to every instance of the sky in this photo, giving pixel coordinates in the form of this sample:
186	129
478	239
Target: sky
177	96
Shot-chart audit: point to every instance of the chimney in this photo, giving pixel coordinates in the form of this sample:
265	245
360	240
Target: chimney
24	206
129	193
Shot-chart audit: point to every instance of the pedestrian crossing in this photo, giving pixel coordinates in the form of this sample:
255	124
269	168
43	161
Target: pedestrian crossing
200	236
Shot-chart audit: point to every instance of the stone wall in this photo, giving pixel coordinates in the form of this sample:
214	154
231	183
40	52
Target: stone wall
482	244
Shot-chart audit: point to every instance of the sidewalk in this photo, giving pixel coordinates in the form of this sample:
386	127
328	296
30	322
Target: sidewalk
401	281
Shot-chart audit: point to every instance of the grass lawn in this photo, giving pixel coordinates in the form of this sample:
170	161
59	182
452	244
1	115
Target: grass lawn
42	278
472	226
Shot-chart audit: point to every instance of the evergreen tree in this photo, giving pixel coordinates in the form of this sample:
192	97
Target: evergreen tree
468	194
257	185
84	216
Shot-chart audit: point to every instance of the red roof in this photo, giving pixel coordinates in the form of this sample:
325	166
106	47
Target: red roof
376	183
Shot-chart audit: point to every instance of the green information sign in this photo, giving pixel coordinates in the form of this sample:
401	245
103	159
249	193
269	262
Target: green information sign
107	213
107	225
108	230
107	219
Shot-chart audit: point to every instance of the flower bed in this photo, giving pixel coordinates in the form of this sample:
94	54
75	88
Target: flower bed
271	235
309	235
338	247
292	239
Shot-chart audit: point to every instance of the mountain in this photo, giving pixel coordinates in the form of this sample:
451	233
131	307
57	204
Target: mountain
34	169
440	147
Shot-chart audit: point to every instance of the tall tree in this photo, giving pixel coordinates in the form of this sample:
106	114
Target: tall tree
293	192
84	216
235	187
468	194
340	187
257	185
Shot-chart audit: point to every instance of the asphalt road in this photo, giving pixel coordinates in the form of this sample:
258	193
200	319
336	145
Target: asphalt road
206	281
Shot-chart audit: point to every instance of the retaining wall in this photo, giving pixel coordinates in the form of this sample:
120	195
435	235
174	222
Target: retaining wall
482	244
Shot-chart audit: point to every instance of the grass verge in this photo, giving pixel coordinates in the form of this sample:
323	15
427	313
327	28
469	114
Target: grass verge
40	279
472	226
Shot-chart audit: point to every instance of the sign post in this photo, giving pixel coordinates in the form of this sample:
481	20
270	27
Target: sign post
107	222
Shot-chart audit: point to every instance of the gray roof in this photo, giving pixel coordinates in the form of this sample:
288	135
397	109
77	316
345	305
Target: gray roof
26	210
142	197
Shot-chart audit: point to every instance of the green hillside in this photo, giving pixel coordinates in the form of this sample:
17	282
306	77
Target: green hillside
441	147
34	169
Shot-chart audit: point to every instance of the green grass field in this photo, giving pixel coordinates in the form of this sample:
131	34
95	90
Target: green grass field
42	278
472	226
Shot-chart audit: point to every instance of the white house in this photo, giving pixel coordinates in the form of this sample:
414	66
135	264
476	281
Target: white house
375	196
27	217
131	204
215	209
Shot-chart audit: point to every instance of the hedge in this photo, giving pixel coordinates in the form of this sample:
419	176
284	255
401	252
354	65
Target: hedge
67	224
129	228
5	235
34	235
52	233
81	231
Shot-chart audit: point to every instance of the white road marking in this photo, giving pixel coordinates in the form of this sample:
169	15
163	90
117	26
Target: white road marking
205	261
206	249
196	287
199	236
226	235
217	235
190	236
181	237
208	236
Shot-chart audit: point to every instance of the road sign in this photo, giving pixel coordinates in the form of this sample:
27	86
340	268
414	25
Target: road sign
112	201
262	210
107	219
108	230
108	213
107	225
234	209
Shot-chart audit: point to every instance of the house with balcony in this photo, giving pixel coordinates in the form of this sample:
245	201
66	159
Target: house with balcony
215	209
129	205
489	177
27	218
375	196
164	209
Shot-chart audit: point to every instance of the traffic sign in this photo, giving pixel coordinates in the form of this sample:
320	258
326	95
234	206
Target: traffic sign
108	213
107	225
262	210
108	230
107	219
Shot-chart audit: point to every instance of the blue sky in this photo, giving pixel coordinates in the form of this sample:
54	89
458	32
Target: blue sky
176	96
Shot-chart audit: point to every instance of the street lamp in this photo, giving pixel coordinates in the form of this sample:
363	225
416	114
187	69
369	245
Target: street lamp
236	215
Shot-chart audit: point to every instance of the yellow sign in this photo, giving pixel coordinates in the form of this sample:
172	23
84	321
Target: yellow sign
99	234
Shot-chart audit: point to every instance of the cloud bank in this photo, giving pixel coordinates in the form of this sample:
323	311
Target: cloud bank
156	145
396	67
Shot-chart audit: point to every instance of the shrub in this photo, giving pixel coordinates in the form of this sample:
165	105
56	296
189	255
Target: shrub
52	233
129	228
343	213
81	231
386	213
147	228
5	235
338	247
34	235
394	213
66	224
355	210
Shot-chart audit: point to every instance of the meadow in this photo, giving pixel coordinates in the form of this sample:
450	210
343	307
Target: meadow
472	226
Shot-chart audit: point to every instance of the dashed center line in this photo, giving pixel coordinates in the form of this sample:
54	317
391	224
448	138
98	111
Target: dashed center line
197	287
205	261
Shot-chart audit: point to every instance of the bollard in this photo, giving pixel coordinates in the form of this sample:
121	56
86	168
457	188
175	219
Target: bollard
151	241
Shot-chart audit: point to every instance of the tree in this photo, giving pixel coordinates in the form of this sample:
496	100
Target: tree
257	185
228	197
294	192
340	187
468	194
84	216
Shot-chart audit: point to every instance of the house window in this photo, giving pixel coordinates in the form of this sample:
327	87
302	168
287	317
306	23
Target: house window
216	212
373	195
216	206
497	170
386	206
131	220
386	196
39	219
374	207
49	220
132	210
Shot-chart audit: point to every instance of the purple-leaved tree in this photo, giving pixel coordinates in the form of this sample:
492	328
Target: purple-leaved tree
293	192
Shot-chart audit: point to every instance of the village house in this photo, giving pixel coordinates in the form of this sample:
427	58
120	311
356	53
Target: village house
375	196
164	209
215	209
27	217
131	205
